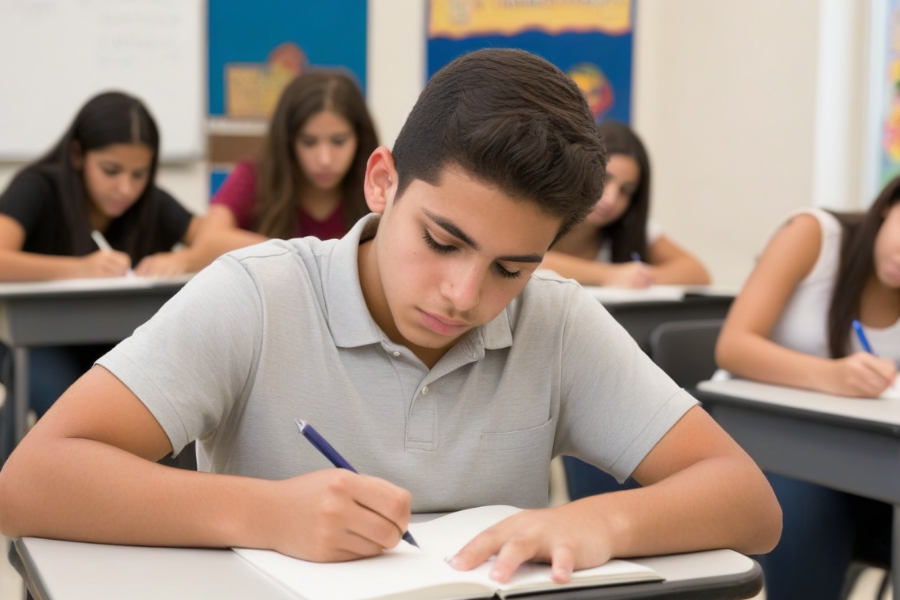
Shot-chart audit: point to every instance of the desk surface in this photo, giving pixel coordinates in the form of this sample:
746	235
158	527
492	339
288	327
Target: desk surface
60	570
873	414
104	286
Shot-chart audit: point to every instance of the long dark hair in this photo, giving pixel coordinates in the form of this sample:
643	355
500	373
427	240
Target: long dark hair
280	176
856	265
106	119
628	233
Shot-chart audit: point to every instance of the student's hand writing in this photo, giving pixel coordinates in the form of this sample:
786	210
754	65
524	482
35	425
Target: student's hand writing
104	263
568	537
162	264
630	275
336	515
860	374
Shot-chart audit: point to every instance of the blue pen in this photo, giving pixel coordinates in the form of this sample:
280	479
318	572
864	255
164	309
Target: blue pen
635	257
334	457
862	337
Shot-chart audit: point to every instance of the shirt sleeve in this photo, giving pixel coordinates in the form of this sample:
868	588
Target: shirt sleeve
238	193
616	404
29	198
193	361
174	219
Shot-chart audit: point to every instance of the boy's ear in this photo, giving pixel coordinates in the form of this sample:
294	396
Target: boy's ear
76	155
381	180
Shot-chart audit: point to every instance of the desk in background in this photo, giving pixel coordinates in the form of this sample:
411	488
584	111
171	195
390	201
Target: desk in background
847	444
72	312
641	311
57	570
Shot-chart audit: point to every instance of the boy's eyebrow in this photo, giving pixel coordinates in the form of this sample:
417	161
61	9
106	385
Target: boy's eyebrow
456	232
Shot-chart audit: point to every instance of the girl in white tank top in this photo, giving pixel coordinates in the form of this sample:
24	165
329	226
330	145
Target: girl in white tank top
791	325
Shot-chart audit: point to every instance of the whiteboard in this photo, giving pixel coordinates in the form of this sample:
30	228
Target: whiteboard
56	54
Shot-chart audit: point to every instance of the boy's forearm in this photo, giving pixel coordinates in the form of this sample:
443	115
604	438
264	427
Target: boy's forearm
717	503
84	490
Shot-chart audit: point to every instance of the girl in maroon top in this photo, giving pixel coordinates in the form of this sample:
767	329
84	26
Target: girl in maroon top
309	179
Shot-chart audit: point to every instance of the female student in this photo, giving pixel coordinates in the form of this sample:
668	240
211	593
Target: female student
309	179
617	245
792	325
99	177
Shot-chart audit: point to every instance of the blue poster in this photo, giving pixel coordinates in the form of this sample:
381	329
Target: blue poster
591	42
256	48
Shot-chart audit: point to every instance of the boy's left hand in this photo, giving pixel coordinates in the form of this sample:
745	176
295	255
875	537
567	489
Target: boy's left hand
569	537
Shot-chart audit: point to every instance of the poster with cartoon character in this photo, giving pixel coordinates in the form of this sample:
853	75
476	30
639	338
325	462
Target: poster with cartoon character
591	40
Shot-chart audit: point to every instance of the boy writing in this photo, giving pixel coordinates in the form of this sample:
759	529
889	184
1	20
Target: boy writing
422	348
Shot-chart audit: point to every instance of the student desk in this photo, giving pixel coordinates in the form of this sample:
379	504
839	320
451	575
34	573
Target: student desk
848	444
641	311
56	570
59	313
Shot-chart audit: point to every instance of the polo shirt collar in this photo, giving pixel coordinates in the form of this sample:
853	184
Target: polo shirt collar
349	319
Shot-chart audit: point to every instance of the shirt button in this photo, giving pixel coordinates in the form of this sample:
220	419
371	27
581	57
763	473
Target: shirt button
424	390
395	353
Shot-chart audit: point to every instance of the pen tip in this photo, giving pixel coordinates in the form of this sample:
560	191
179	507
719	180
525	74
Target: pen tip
300	424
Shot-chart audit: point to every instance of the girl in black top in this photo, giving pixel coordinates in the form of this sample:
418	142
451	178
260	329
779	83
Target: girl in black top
98	177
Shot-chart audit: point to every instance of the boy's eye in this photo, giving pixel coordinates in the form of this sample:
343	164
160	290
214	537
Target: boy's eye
339	140
111	171
440	248
502	272
308	142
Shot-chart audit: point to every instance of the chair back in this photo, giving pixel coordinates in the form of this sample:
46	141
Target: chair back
685	350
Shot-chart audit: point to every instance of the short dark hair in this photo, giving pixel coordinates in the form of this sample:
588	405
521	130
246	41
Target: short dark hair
510	119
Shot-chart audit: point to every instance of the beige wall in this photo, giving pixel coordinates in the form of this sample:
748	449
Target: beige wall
728	96
724	99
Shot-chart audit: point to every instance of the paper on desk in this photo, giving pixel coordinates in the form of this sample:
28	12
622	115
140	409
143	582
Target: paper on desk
892	393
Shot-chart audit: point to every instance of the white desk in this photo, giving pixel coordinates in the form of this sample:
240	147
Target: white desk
70	312
848	444
55	570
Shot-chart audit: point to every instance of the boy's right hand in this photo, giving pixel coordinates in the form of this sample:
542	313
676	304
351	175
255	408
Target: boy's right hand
104	263
335	515
861	374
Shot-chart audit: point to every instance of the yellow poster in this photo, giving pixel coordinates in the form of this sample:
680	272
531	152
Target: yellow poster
456	19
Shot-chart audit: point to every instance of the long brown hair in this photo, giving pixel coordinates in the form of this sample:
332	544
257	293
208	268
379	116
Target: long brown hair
106	119
856	265
628	233
280	176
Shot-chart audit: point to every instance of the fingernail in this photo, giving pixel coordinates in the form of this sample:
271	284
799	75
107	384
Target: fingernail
453	561
496	574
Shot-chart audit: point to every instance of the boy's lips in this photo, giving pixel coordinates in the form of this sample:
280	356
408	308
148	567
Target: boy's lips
442	325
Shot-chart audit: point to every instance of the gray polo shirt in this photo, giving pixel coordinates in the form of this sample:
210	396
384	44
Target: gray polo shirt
280	331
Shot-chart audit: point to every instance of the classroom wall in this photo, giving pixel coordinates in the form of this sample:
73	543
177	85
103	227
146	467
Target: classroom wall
724	98
728	96
750	109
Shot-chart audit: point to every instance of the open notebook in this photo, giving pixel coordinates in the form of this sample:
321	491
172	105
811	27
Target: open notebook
406	572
